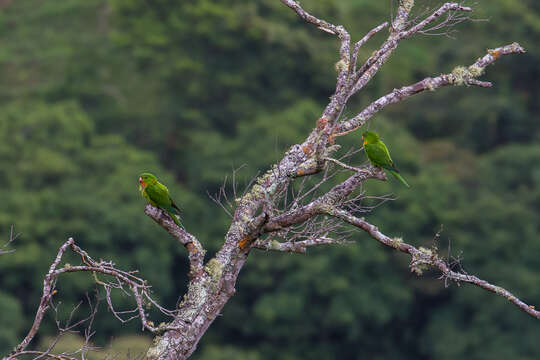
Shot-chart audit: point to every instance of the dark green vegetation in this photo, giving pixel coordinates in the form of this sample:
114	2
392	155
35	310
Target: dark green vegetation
93	92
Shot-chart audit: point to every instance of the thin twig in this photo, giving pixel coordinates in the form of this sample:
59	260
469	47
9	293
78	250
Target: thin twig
138	286
12	237
364	40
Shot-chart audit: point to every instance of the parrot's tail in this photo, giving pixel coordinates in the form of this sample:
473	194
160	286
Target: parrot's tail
175	219
400	178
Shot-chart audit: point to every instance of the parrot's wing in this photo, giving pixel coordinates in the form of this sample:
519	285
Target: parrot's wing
379	155
173	207
159	194
384	149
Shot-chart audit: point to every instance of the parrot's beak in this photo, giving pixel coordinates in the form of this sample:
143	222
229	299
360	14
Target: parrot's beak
141	183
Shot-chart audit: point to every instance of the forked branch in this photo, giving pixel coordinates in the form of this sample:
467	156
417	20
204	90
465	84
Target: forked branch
137	287
459	76
374	62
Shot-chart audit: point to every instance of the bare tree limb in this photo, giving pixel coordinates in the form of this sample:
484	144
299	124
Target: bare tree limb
45	299
364	40
343	165
193	246
344	51
422	258
40	354
333	197
459	76
321	24
433	17
69	327
374	63
139	289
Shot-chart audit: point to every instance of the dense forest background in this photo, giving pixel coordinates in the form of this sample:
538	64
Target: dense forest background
93	92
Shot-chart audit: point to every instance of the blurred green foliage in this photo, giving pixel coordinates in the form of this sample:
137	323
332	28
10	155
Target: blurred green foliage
95	92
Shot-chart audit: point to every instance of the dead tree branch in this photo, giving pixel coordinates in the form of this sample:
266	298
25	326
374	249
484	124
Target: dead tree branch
459	76
364	40
398	33
336	195
138	287
193	246
422	258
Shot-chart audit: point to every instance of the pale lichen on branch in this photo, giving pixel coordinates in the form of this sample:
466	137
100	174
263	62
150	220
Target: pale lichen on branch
459	76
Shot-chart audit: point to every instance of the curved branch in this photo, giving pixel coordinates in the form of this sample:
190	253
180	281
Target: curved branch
195	250
338	30
343	66
46	297
321	24
374	62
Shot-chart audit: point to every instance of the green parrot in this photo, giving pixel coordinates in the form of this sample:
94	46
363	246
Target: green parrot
378	154
157	194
